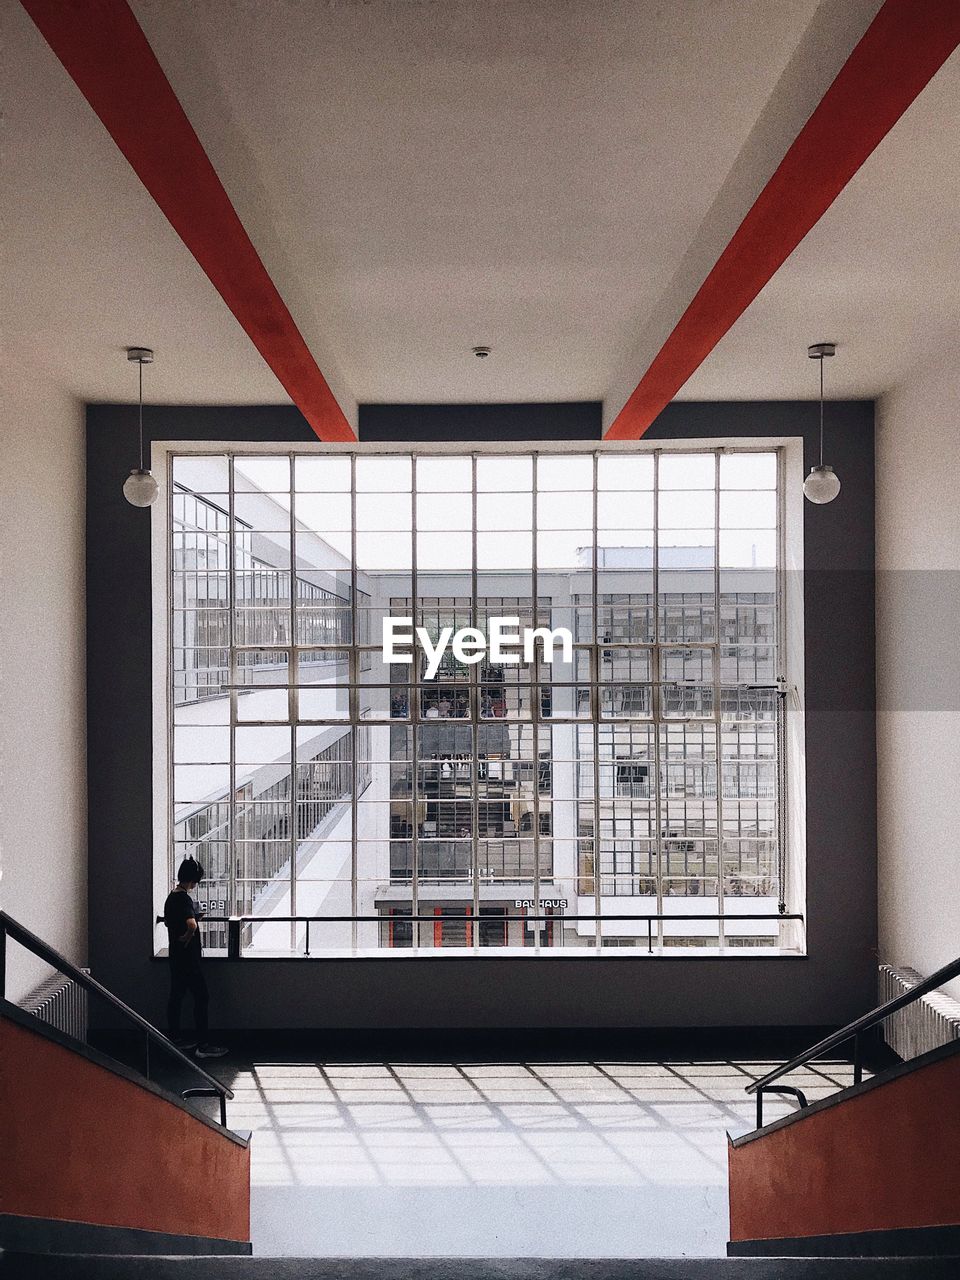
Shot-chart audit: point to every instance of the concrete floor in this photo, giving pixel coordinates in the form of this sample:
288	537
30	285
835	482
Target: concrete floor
552	1160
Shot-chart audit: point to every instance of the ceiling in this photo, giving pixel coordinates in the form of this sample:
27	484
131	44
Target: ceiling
551	178
878	274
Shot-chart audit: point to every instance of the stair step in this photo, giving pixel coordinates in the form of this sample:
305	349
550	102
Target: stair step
127	1267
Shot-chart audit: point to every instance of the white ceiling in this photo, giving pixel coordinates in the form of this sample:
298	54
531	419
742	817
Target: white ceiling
90	265
878	274
549	178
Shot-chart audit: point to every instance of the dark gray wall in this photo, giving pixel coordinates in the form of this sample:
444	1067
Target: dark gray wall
834	982
568	420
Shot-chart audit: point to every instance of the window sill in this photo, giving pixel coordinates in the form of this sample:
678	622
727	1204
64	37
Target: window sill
583	954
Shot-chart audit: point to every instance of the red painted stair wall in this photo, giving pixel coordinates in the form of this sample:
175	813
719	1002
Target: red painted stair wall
83	1144
883	1159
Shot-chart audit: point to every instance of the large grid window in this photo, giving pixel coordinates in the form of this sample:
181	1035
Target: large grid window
629	792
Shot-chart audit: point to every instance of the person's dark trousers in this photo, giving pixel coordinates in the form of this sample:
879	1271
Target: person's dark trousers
186	975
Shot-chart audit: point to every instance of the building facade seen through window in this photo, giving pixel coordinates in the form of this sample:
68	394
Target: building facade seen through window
628	793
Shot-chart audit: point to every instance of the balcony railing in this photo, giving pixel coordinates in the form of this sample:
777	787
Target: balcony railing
235	925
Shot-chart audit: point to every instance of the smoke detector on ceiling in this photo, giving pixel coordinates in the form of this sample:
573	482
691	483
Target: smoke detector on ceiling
481	352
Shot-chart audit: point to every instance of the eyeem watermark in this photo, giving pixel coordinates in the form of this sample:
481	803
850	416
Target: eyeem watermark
504	643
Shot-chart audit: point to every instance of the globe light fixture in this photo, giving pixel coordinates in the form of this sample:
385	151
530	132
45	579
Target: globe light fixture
822	484
140	487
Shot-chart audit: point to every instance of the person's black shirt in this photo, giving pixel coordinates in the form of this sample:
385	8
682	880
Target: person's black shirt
177	910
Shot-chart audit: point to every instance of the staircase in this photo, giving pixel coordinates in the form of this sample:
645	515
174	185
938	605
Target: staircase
872	1170
106	1174
98	1156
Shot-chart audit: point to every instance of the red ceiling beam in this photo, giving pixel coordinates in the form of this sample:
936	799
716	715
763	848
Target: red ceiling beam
102	47
902	49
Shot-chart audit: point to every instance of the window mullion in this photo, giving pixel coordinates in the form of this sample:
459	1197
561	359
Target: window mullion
657	701
717	698
353	699
293	695
595	711
780	825
413	712
232	676
474	696
534	674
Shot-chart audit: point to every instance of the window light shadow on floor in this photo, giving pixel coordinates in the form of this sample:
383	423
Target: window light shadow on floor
357	1158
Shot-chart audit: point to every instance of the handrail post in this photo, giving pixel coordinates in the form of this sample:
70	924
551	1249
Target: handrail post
759	1108
3	960
306	950
857	1058
219	1092
233	938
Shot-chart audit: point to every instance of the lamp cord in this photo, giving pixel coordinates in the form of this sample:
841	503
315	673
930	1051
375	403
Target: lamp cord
821	412
140	365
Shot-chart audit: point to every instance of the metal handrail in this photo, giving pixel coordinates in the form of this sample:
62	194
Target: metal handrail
373	919
852	1031
235	923
13	928
204	1092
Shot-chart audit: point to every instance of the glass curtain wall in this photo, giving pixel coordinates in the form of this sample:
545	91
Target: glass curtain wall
627	793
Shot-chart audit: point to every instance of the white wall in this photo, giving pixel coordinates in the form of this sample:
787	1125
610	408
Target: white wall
918	670
43	857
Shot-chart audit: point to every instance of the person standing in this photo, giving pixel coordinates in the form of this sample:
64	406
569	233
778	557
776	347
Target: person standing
185	950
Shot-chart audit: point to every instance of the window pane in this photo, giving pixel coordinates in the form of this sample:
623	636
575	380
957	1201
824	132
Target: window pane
324	511
384	551
748	548
628	509
565	473
322	475
384	475
444	551
378	511
686	510
625	471
565	511
504	511
444	475
202	474
272	475
262	510
748	471
442	511
505	475
740	510
687	471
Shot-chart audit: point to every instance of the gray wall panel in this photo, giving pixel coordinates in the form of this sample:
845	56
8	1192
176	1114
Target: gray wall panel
834	982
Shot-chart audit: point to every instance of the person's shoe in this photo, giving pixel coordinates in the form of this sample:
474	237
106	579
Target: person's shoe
184	1044
211	1051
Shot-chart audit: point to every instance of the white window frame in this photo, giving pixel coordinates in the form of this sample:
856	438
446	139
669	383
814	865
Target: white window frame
790	621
